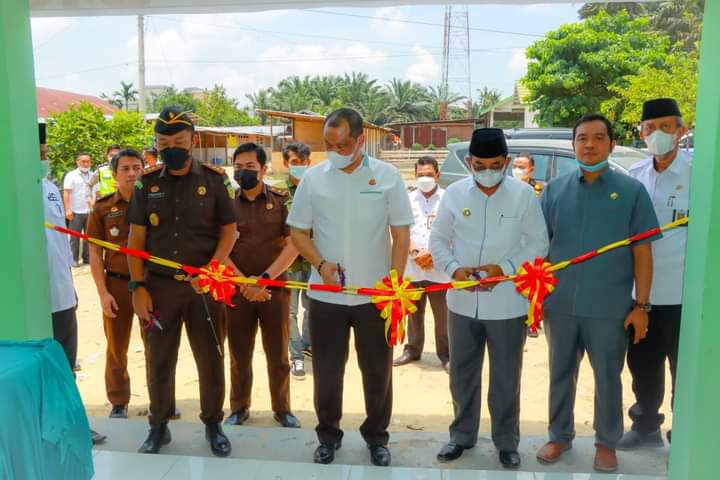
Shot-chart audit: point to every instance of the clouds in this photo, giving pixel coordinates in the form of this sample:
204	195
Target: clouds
46	29
382	15
425	69
518	62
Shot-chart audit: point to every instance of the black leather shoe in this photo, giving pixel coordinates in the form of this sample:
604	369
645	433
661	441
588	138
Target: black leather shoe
451	451
510	459
219	443
325	452
118	411
238	418
287	420
176	415
404	359
632	440
97	438
159	437
379	455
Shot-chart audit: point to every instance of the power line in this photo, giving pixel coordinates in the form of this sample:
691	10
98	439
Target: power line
417	22
92	69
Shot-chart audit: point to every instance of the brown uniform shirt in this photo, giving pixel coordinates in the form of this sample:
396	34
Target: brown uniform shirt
108	221
262	230
183	215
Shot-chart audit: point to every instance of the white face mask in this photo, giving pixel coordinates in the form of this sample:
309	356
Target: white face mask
341	161
489	178
660	143
519	173
84	169
426	184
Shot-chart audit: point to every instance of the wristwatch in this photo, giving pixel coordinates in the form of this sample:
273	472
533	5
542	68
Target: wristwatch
265	275
135	284
645	307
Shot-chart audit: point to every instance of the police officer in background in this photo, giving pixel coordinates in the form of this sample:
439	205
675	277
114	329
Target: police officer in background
182	211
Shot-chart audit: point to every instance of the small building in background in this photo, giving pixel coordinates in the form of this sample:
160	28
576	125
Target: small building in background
436	133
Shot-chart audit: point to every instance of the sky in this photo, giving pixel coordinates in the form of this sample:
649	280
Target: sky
248	51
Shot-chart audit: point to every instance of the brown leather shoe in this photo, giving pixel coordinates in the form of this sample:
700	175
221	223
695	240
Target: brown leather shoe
552	451
404	359
605	459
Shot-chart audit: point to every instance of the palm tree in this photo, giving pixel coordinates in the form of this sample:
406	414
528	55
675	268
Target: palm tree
441	99
489	97
635	9
126	93
324	91
293	94
261	100
408	100
112	101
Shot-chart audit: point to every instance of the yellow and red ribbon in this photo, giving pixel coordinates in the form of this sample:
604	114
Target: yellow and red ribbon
395	307
535	282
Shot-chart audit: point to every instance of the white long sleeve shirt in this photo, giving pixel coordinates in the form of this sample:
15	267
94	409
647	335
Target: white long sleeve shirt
472	229
60	259
424	212
670	195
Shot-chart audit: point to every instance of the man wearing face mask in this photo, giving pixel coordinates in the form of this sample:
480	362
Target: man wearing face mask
296	158
487	225
263	250
666	176
523	168
592	308
76	197
181	210
425	201
344	215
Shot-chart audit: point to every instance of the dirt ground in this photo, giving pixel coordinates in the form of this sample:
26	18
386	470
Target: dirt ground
422	399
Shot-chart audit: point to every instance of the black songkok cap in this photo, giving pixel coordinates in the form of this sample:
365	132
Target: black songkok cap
488	143
660	107
173	120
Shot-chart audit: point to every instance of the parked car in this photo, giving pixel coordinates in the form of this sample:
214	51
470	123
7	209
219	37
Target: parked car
552	159
540	133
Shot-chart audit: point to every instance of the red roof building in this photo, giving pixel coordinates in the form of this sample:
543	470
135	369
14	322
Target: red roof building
51	101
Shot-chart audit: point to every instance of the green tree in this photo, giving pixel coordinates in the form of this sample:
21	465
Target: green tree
488	97
576	69
293	94
408	100
171	96
126	93
84	128
217	109
442	98
114	101
324	91
261	100
678	80
681	20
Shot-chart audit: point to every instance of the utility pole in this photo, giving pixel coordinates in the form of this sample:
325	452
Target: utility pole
141	64
456	76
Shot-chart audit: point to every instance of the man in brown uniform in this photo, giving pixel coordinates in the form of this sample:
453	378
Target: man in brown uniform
111	275
263	250
181	211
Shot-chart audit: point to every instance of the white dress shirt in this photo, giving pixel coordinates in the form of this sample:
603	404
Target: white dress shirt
424	212
472	229
350	216
670	195
60	259
79	184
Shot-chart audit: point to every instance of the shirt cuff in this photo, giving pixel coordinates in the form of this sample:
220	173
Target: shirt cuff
299	226
451	267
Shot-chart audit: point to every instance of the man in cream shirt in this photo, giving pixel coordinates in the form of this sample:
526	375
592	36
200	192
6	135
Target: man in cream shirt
487	225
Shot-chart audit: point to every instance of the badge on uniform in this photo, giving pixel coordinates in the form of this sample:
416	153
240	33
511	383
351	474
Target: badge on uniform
114	231
201	190
614	196
154	189
466	212
372	182
154	219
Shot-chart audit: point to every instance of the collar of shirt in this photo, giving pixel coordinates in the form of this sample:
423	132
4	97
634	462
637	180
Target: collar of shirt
604	176
681	162
263	194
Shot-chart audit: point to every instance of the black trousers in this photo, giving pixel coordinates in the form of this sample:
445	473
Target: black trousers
79	224
330	326
65	332
646	362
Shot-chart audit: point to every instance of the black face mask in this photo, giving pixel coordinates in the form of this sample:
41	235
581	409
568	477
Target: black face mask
248	179
175	157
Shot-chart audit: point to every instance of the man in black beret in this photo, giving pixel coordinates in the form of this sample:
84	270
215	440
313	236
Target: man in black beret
181	210
665	173
487	225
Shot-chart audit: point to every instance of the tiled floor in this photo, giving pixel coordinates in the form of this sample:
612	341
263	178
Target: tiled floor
134	466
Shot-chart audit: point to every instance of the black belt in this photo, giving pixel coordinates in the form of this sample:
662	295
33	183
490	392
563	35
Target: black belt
174	274
119	276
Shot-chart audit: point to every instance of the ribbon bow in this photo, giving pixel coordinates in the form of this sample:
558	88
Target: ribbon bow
216	279
394	308
535	281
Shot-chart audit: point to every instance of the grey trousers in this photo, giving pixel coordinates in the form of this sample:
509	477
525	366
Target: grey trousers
605	340
505	340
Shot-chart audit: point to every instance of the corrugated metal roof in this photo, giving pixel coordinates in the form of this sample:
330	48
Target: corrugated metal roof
51	101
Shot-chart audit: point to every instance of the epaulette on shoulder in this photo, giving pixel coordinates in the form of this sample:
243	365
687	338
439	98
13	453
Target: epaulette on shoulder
153	169
105	197
279	191
213	168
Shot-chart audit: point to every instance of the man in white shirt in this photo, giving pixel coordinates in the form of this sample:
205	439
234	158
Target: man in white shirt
666	176
487	225
353	205
425	201
63	301
77	200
